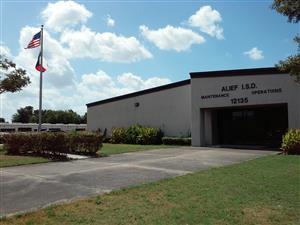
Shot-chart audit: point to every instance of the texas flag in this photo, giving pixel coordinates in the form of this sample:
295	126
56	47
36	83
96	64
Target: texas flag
38	65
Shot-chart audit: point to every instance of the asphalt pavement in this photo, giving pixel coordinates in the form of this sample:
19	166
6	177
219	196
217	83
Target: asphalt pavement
29	187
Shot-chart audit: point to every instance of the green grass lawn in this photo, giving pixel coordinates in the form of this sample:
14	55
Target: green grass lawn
263	191
14	160
110	149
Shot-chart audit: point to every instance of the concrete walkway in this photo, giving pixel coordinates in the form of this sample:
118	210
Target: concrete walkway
26	188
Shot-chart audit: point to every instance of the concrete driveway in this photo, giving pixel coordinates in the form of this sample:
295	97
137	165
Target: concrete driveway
25	188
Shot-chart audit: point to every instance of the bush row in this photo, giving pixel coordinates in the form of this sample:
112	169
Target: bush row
291	142
136	134
176	140
53	144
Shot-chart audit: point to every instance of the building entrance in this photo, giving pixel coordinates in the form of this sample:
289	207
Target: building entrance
259	126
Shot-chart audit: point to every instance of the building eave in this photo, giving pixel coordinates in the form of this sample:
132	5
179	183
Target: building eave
139	93
237	72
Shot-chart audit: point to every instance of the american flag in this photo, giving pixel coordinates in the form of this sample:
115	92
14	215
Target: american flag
35	42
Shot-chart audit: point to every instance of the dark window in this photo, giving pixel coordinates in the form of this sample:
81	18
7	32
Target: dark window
25	129
54	129
80	129
7	130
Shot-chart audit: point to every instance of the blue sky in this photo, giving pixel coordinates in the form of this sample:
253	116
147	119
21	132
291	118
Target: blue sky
96	50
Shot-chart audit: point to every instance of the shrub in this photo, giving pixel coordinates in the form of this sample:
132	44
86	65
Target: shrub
132	133
118	135
53	144
107	140
149	136
176	141
16	143
84	143
136	134
291	142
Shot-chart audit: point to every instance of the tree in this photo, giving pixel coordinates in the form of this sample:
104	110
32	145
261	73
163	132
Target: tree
12	79
60	116
84	118
2	120
292	63
29	115
23	115
291	9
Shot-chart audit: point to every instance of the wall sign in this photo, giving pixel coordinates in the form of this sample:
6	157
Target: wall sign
226	91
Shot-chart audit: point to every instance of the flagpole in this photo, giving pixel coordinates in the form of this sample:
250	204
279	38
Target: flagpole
41	82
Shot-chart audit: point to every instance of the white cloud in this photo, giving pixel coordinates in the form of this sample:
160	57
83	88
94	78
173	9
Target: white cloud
135	82
4	50
96	82
91	87
172	38
207	19
106	46
62	14
59	72
110	22
59	86
255	53
100	85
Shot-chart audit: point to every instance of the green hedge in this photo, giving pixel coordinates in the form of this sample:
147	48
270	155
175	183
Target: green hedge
136	134
291	142
53	144
176	140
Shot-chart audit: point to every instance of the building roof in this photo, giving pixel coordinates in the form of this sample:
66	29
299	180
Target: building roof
238	72
220	73
138	93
